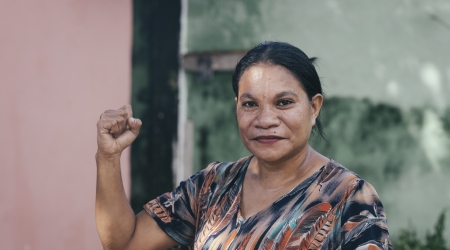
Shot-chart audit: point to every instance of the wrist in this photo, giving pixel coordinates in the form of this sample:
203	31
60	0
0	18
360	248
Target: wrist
99	156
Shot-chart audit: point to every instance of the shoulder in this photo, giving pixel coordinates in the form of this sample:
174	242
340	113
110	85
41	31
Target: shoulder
222	171
334	171
361	213
336	180
355	192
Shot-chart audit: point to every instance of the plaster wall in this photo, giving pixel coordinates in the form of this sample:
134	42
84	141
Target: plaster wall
62	63
390	52
385	71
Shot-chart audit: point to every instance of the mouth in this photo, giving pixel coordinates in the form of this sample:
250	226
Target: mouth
267	139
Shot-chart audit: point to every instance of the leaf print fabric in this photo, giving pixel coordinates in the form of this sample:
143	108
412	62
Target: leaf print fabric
332	209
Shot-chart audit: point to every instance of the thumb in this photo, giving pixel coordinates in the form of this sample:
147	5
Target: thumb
135	125
129	135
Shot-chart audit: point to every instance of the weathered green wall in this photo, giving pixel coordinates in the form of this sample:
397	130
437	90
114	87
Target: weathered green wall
212	109
385	68
390	51
404	154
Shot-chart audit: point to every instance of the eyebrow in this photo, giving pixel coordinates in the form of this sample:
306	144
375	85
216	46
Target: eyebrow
279	95
285	93
246	95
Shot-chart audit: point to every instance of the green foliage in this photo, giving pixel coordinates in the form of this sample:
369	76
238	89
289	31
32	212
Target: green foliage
436	241
372	140
408	239
446	120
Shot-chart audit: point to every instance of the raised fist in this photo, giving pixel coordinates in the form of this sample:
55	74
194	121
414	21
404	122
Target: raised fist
116	130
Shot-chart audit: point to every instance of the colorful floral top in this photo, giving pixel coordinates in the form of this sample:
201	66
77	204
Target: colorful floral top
332	209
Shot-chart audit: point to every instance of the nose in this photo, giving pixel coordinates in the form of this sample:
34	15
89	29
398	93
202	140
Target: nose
267	118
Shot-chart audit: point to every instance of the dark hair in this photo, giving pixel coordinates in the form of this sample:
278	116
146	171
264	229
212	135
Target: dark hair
288	56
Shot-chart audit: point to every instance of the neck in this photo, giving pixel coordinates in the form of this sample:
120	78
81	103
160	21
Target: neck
274	175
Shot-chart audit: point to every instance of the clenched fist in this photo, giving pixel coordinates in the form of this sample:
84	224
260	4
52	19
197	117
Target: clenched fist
116	130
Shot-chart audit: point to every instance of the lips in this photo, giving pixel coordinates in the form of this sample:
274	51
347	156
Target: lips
268	139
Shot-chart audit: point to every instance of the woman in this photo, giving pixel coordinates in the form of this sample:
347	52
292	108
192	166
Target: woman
284	196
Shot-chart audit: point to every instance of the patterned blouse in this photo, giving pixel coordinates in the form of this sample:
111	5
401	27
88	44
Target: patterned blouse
332	209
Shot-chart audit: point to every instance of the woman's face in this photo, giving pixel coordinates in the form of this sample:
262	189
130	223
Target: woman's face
274	114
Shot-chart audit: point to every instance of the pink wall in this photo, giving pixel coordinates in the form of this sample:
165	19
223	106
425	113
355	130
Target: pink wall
62	63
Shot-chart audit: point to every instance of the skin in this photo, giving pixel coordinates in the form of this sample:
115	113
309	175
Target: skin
117	225
275	118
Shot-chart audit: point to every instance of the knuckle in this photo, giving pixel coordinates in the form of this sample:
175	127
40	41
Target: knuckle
128	109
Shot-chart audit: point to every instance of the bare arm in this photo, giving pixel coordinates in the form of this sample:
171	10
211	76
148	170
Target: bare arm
117	225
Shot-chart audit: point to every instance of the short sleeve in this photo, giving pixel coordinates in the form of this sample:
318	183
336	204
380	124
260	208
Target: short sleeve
176	211
363	220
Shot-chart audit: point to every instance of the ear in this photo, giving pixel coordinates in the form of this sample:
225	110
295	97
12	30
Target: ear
235	99
316	105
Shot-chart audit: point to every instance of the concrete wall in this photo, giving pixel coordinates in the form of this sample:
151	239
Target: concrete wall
62	63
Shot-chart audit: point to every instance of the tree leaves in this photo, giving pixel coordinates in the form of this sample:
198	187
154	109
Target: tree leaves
409	240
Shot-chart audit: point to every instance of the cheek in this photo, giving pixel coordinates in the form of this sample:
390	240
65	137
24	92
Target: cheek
299	121
242	120
244	117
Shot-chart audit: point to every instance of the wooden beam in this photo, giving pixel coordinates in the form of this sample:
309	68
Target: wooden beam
212	61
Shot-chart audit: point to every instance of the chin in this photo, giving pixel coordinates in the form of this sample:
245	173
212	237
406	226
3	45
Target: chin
268	155
274	153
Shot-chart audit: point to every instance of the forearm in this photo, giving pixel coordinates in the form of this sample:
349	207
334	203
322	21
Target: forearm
114	217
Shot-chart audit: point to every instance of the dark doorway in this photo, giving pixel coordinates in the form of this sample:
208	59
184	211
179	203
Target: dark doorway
154	97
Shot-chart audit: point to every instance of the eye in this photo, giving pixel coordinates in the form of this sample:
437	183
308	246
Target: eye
284	102
249	104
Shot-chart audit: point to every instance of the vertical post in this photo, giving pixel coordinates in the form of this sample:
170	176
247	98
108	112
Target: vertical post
155	93
180	155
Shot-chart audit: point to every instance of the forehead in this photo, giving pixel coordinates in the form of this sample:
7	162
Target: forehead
268	79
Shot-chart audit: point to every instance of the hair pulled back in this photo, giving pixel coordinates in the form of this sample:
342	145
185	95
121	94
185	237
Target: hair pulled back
288	56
